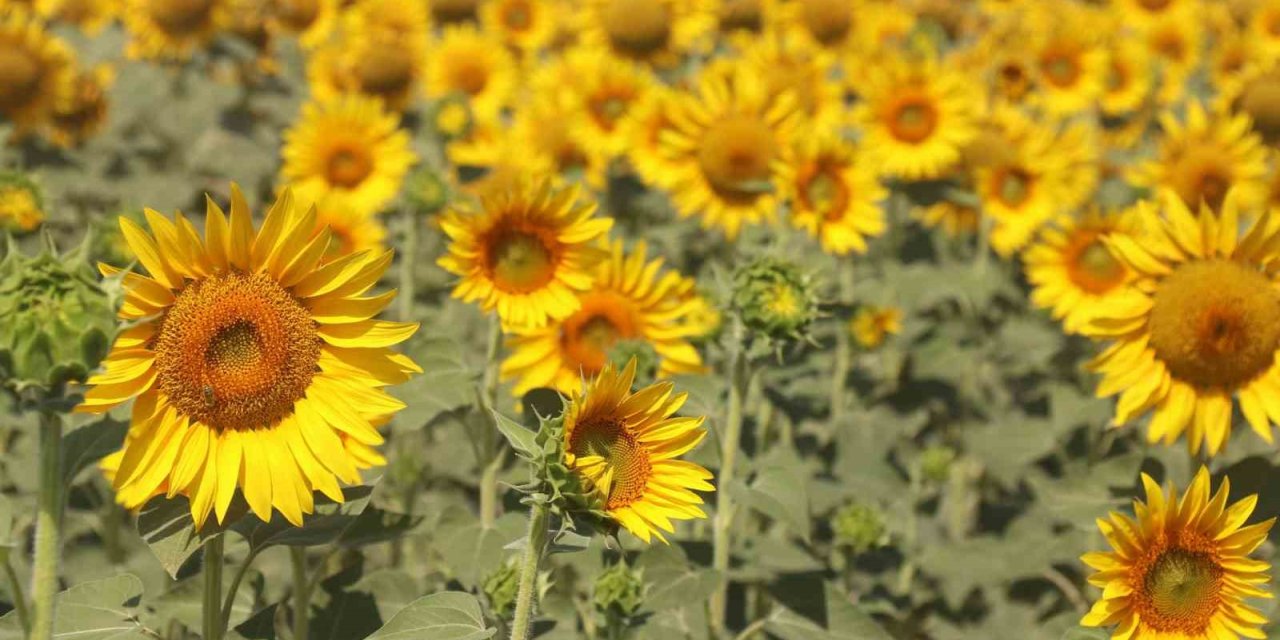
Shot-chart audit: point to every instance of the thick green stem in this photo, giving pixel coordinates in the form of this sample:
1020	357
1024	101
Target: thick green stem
212	609
493	449
526	595
19	597
44	577
492	351
301	593
489	490
408	263
739	379
844	350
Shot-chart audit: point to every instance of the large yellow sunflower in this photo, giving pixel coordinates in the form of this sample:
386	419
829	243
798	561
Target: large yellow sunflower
655	32
527	252
626	446
631	300
467	62
1206	156
915	117
1072	272
33	67
347	147
252	363
835	195
172	29
1199	327
1180	568
730	141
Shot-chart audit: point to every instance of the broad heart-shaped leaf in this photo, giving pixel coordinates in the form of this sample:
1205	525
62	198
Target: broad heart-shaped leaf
780	493
85	446
444	385
470	550
351	523
97	610
522	439
832	616
451	615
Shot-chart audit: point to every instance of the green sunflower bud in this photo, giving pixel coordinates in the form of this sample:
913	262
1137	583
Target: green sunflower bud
859	527
427	191
21	203
935	462
59	319
620	591
501	587
775	300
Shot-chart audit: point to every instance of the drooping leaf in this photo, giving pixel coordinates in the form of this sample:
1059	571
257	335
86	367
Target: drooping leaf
451	615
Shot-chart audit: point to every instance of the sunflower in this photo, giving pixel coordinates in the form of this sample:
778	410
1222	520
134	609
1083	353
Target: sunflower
312	22
454	11
1205	157
349	147
528	25
599	90
1072	272
1264	27
1142	13
20	207
729	141
915	117
1180	568
372	63
1176	45
741	21
1199	326
871	325
642	128
835	196
81	110
1070	63
544	132
626	446
655	32
829	24
252	364
526	253
954	218
1130	79
90	16
33	66
789	65
468	62
1255	92
350	231
172	29
631	300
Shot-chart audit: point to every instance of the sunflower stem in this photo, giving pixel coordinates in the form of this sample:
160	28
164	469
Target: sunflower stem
44	578
844	351
493	443
408	260
212	609
301	593
522	622
229	602
739	379
19	596
489	490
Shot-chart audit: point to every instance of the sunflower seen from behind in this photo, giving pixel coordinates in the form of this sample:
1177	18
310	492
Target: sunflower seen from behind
526	253
1072	272
350	148
627	445
253	364
835	195
1180	566
1199	328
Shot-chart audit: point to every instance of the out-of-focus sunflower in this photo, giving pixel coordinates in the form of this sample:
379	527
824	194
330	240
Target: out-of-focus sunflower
655	32
543	129
730	141
406	23
1255	92
248	20
642	129
1199	327
871	325
626	447
21	209
1142	13
454	11
1072	272
1021	191
1130	79
631	300
172	29
347	147
33	67
528	25
954	218
350	230
90	16
599	90
1176	45
830	24
741	21
915	117
1070	61
373	62
81	109
835	195
252	365
1181	568
527	253
312	22
788	65
467	62
1205	157
1264	27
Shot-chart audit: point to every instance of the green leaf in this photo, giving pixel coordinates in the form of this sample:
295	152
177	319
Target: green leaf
835	618
184	602
522	439
97	610
87	445
471	551
780	493
328	524
674	583
445	384
451	615
165	525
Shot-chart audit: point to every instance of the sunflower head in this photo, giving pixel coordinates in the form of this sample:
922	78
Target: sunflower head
775	300
859	527
81	110
451	117
501	588
427	191
619	591
59	318
21	204
935	462
33	65
871	325
1181	567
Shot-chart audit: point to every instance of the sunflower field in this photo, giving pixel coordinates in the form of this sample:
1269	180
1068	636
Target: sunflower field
639	319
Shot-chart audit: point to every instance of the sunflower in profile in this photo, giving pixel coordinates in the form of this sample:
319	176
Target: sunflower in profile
33	67
730	141
627	447
1180	567
655	32
172	29
454	11
1073	273
740	22
312	22
81	110
528	25
252	364
526	253
632	300
1255	92
347	147
89	16
915	117
1199	327
474	64
835	196
1205	157
829	24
